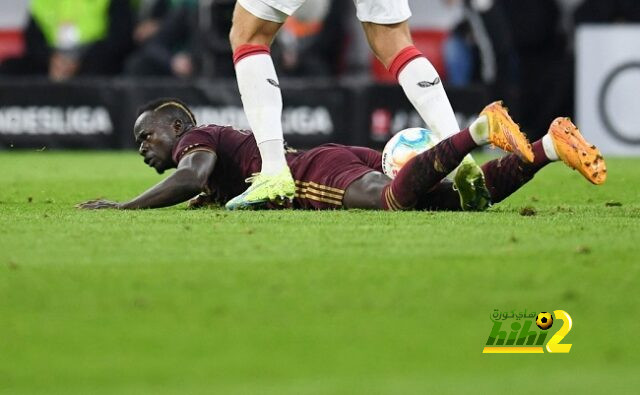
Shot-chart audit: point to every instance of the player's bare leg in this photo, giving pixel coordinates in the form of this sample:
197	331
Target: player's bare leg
425	171
393	46
251	35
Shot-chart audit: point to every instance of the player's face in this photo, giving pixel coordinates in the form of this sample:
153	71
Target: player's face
155	139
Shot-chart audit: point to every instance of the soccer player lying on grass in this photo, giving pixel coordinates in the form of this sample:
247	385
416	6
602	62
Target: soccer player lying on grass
216	161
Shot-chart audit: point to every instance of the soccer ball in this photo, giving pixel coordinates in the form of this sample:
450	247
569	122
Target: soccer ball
544	321
404	146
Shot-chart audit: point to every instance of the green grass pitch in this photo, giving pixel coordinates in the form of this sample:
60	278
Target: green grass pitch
200	302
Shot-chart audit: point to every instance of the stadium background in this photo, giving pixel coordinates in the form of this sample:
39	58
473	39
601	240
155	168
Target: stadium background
523	52
179	301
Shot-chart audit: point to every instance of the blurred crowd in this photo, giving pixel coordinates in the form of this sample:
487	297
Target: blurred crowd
515	47
174	38
489	41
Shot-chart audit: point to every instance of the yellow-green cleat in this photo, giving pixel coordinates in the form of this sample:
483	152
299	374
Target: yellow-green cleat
264	189
471	186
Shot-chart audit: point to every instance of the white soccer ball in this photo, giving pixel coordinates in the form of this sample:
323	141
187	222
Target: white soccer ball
404	146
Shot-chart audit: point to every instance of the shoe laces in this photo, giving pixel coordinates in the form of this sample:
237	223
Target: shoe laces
504	138
254	177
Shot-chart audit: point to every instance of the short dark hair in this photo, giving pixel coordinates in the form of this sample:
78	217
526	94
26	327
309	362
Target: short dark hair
170	106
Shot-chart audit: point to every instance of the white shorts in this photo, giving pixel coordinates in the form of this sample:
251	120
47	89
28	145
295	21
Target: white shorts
384	12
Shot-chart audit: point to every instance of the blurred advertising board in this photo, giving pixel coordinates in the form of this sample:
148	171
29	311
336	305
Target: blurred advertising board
388	111
100	113
607	86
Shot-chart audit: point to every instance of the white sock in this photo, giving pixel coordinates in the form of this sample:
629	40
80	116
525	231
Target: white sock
423	87
271	152
479	130
262	101
549	148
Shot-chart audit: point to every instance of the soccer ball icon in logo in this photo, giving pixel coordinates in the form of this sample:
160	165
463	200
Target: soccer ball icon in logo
404	146
544	321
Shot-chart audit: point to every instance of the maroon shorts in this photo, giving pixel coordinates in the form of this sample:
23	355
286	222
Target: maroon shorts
324	173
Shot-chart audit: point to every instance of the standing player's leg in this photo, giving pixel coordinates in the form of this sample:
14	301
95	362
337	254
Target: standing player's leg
255	24
386	26
393	46
422	173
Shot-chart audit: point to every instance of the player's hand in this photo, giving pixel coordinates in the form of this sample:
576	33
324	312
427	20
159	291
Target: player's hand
98	204
200	201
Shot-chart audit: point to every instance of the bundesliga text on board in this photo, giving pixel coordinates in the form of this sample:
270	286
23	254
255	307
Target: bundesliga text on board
55	120
298	120
526	333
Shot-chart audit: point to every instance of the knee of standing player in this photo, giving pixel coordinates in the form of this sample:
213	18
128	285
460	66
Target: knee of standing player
249	29
238	36
386	41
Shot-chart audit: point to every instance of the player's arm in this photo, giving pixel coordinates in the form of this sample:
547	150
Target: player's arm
190	178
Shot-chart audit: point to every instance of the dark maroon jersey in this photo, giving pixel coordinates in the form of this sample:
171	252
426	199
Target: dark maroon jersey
322	174
237	157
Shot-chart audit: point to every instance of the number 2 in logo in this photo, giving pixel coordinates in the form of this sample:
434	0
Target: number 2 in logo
553	345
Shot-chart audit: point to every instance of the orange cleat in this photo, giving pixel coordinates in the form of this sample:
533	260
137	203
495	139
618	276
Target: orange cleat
576	152
504	133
